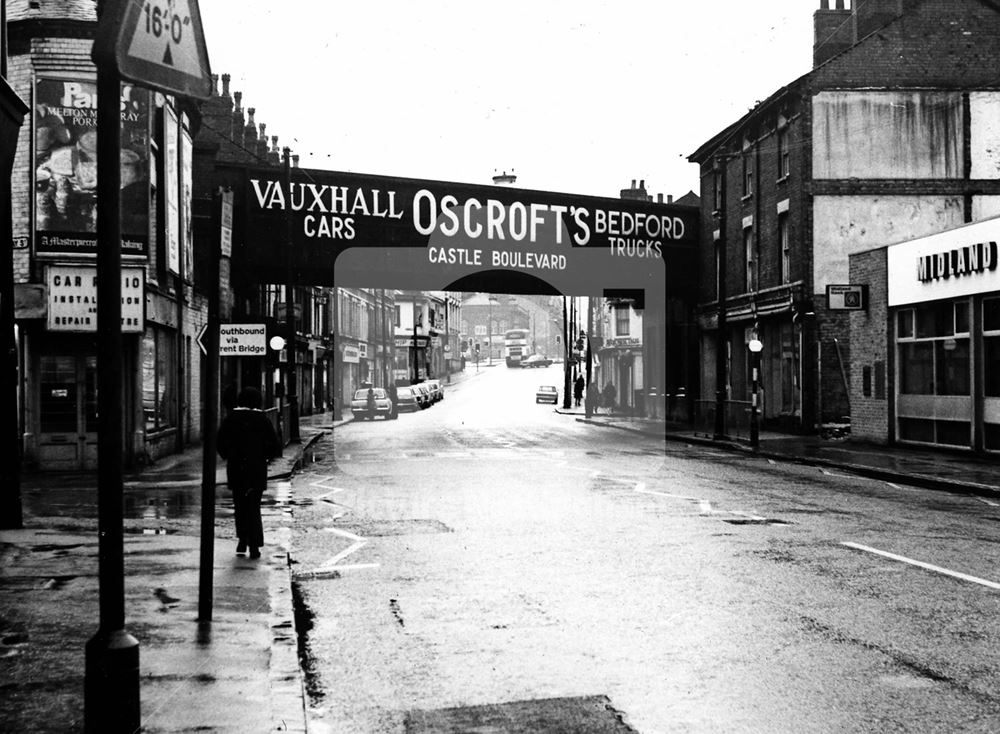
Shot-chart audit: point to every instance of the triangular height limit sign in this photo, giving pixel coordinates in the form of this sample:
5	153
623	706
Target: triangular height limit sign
159	44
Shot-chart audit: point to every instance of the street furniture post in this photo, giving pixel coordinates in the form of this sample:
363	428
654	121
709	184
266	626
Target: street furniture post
111	677
567	378
755	347
210	415
721	335
292	381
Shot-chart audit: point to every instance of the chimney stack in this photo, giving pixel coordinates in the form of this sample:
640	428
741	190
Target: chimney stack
225	85
833	31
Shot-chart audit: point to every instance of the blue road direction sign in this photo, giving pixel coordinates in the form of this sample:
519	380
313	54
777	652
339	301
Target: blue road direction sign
156	43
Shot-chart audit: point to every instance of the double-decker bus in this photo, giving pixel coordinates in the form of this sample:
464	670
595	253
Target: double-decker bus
515	346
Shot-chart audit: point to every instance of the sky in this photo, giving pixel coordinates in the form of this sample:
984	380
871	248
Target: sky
578	97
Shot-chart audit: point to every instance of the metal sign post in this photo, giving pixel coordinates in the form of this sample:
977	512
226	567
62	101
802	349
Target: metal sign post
111	678
162	48
210	416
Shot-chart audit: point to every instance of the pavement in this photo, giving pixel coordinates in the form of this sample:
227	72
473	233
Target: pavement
240	672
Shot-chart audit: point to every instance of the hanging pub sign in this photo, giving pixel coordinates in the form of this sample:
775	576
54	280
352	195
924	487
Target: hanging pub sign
65	168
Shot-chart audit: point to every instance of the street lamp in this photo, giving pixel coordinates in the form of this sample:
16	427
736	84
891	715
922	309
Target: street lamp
489	327
755	346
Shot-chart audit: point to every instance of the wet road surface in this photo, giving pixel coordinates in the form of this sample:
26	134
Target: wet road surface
488	562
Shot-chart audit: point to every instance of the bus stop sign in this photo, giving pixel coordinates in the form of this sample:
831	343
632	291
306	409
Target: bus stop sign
155	43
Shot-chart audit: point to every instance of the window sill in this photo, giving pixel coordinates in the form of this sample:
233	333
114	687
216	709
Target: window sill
746	198
783	179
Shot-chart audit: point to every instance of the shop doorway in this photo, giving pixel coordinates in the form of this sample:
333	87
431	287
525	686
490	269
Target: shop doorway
67	439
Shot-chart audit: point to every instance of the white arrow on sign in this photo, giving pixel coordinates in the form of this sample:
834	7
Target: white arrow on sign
201	345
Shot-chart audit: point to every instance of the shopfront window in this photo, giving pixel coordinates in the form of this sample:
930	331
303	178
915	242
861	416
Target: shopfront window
159	377
933	348
991	347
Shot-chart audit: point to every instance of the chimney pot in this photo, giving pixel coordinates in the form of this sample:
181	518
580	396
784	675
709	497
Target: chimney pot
225	85
642	184
824	4
659	198
262	126
237	99
295	161
633	183
274	143
215	84
251	111
670	198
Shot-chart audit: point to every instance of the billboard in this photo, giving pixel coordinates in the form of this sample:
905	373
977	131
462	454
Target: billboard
65	167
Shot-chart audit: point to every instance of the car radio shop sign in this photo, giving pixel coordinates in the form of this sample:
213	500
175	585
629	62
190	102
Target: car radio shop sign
457	226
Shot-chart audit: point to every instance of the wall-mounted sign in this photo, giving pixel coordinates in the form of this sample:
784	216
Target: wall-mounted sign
418	341
363	351
958	262
623	342
847	297
66	167
351	354
242	340
72	299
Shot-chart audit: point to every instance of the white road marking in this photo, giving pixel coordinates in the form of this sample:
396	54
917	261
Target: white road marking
991	503
921	564
357	543
833	474
667	494
894	486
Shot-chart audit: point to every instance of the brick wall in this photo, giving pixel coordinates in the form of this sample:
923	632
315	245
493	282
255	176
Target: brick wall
869	346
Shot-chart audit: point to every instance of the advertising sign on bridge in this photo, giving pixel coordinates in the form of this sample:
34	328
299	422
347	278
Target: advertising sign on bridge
431	233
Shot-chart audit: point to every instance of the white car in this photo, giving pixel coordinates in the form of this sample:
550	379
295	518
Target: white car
383	405
436	388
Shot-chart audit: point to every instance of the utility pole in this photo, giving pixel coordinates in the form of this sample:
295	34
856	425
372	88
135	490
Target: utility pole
292	380
567	376
588	405
721	334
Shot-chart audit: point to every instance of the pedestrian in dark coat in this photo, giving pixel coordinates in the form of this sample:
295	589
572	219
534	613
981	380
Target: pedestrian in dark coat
370	404
394	397
578	390
608	398
247	441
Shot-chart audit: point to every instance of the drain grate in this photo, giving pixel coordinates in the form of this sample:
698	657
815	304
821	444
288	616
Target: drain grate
592	714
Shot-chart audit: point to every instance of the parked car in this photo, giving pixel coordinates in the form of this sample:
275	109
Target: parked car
359	404
547	394
424	395
407	399
437	390
536	360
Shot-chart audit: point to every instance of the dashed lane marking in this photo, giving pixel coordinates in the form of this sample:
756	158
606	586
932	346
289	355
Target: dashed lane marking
991	503
922	564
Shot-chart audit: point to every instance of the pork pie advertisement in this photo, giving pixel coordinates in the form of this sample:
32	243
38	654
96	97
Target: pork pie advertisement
65	124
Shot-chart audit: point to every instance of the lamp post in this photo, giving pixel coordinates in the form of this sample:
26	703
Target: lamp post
489	328
755	346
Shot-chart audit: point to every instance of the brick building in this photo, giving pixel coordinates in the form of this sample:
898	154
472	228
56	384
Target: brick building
891	136
53	200
927	348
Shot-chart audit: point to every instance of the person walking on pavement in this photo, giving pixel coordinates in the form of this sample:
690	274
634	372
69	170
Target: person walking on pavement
247	441
608	398
394	398
370	403
593	399
578	390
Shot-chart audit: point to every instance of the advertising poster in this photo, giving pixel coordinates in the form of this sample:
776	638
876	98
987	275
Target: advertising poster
187	219
65	127
170	191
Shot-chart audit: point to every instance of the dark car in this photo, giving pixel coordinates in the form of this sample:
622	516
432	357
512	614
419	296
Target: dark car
536	360
547	394
407	399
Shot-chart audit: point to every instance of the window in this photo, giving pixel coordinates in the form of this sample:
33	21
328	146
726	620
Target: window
621	320
159	375
786	259
751	281
934	350
784	167
991	346
717	190
747	175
